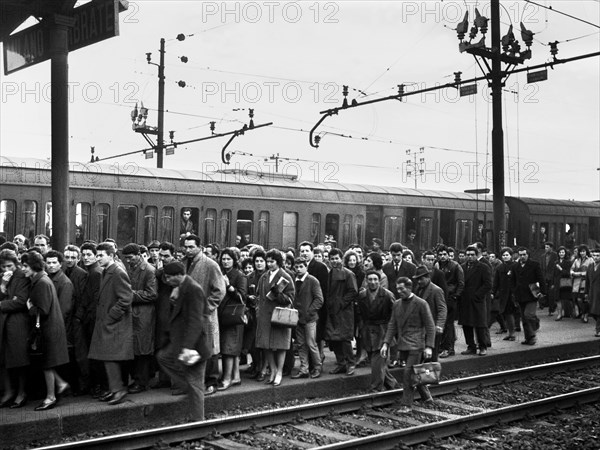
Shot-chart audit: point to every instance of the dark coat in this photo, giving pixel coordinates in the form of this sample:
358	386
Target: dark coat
163	310
564	293
340	305
547	264
527	274
319	270
232	336
406	269
374	317
592	288
434	296
78	277
309	300
14	321
267	336
455	280
186	327
45	303
143	311
64	291
503	287
411	324
472	306
86	312
113	332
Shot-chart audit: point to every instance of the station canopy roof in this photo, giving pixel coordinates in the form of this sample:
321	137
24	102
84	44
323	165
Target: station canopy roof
14	12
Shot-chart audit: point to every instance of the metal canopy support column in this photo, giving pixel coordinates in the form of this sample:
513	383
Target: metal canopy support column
59	51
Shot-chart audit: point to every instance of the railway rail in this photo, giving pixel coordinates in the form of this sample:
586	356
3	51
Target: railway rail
467	403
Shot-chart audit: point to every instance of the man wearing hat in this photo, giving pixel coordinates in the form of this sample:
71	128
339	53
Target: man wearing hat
434	296
187	348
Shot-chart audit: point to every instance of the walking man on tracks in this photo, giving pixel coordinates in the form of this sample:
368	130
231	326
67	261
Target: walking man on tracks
413	327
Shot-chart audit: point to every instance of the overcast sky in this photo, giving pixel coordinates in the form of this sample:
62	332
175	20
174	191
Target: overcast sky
288	61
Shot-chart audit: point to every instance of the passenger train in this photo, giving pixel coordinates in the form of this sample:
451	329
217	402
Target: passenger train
136	204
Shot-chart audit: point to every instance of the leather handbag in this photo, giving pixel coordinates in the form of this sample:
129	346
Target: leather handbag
284	317
233	314
35	342
427	373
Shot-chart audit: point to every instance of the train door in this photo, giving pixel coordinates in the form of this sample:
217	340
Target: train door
373	228
393	226
447	226
594	231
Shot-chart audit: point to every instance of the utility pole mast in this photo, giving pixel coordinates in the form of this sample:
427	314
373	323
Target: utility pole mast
414	168
161	106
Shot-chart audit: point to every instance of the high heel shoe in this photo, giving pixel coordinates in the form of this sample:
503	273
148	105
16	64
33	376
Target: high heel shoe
19	404
46	405
236	382
261	377
224	385
272	379
558	319
277	380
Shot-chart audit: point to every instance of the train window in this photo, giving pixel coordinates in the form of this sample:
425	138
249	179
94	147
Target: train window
48	219
392	230
150	223
82	222
263	229
225	221
29	219
583	236
210	226
426	233
359	223
244	223
102	221
552	233
126	220
166	226
189	219
315	228
464	230
570	236
8	217
290	229
346	231
332	227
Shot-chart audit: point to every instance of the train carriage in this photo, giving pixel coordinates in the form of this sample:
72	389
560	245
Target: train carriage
134	204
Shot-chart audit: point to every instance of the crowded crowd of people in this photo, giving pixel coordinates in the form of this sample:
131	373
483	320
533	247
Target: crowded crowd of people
116	322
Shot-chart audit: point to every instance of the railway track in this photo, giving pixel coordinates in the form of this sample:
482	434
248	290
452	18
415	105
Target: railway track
371	421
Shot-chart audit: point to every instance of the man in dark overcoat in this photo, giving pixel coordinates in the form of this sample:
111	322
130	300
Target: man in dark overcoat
397	267
592	288
188	347
548	263
143	284
78	277
455	280
340	299
112	341
528	274
472	306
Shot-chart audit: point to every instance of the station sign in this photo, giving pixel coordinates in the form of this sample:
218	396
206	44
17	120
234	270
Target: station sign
469	89
93	22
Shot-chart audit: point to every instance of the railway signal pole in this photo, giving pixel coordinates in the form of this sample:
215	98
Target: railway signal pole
414	167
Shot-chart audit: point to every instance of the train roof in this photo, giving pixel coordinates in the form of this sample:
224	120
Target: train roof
553	207
129	176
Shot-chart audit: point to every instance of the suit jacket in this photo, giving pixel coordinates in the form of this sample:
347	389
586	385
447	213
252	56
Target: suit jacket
406	269
592	288
548	265
112	339
208	275
434	296
186	327
473	304
309	300
529	273
411	324
375	315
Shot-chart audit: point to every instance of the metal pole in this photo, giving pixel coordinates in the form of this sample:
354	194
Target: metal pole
59	70
161	106
497	133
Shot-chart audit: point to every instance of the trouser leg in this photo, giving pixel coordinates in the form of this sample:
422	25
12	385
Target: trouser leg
114	375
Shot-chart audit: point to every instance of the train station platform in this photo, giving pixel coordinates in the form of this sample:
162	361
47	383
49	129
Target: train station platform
73	416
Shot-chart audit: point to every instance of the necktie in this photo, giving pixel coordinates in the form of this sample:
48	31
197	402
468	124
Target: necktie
397	268
298	285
